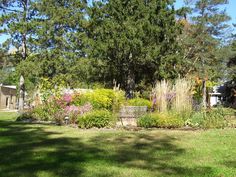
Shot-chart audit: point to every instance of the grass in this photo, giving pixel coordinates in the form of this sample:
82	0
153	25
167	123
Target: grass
32	150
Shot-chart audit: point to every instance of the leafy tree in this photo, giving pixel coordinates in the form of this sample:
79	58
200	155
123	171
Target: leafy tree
203	39
133	41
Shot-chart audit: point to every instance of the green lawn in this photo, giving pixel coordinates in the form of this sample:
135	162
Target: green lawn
43	150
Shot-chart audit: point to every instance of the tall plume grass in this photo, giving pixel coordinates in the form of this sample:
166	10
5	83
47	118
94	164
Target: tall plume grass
173	96
183	100
160	91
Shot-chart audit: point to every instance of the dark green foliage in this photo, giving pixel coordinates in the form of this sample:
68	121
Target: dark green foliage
15	20
231	64
147	121
203	38
133	41
61	48
26	116
97	118
47	36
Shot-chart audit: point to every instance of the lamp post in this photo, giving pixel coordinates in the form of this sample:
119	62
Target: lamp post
22	93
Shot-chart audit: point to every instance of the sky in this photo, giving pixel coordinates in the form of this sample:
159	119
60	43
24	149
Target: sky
230	9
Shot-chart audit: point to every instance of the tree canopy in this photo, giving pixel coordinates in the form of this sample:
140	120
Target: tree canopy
131	42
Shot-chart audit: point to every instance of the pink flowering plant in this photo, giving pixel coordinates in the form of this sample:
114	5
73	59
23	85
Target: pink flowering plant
56	108
85	108
72	111
67	98
67	102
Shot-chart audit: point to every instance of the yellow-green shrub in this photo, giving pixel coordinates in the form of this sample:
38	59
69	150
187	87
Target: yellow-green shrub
169	120
140	102
96	118
104	99
161	120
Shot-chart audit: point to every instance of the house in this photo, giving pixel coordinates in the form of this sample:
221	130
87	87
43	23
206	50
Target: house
8	97
215	96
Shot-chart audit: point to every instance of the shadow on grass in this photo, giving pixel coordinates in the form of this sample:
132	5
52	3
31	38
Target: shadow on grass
28	150
230	164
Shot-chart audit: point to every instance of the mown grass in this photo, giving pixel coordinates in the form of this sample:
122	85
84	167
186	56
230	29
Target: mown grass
31	150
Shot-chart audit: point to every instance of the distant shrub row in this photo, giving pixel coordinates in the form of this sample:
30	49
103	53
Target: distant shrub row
90	109
210	119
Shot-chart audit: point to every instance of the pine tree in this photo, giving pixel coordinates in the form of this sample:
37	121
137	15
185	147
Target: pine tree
59	37
134	41
15	18
48	36
208	24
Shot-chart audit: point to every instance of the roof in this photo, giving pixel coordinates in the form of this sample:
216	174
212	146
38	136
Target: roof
9	86
215	94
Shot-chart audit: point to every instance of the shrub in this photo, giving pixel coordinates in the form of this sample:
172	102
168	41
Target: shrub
214	119
25	116
85	108
42	112
99	99
169	120
140	102
103	99
147	121
211	119
161	120
52	110
57	108
118	100
195	120
96	118
72	111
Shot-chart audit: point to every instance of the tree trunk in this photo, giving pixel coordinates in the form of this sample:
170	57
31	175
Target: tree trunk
130	84
24	54
24	40
22	94
204	94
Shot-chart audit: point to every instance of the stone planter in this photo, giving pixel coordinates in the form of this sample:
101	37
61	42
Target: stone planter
129	114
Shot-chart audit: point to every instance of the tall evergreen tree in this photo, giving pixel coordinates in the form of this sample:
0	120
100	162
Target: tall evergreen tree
48	36
134	40
232	63
15	19
59	37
